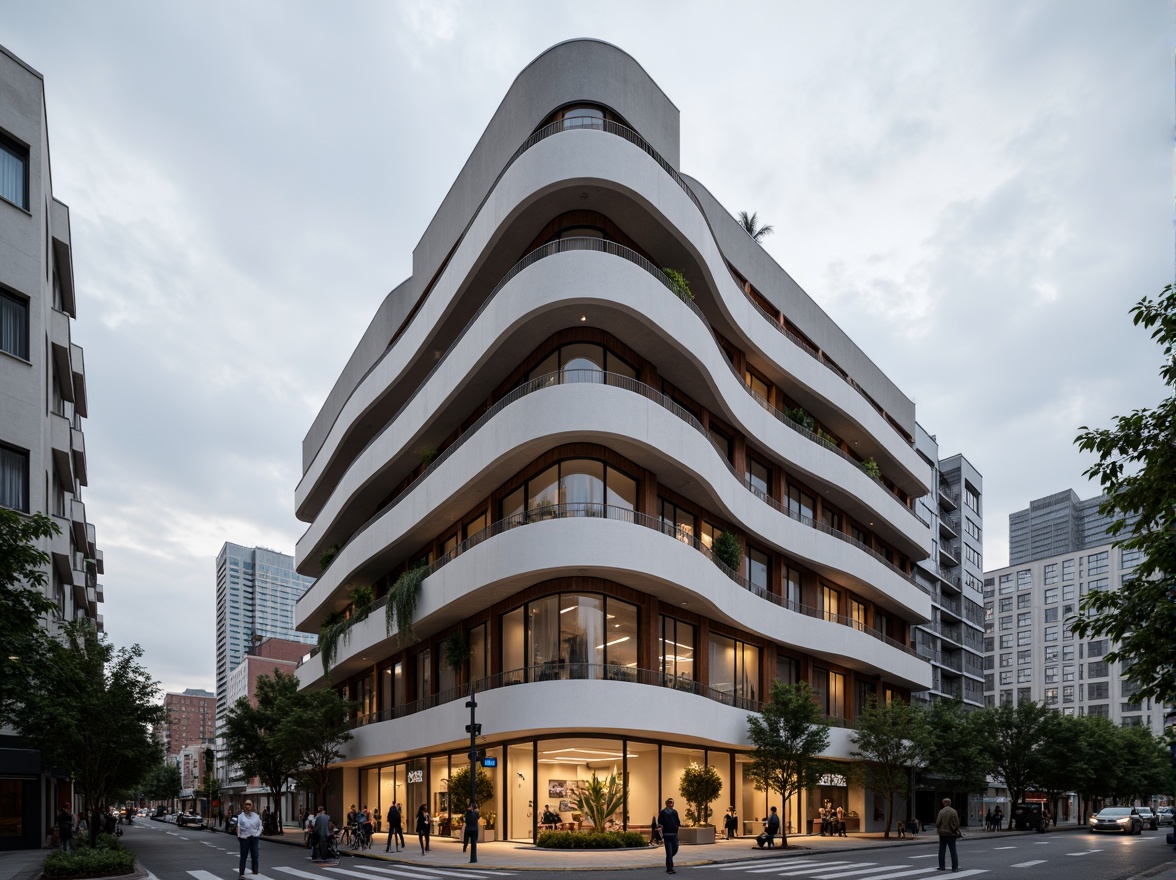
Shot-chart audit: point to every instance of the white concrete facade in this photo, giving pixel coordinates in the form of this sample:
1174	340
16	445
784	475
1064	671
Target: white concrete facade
43	403
548	423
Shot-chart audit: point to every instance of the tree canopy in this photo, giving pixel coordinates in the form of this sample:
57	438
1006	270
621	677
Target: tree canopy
288	733
90	711
890	740
788	738
753	227
1137	469
23	605
955	752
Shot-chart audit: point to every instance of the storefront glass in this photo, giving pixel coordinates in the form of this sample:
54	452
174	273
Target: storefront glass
439	787
674	762
416	790
643	792
565	764
520	793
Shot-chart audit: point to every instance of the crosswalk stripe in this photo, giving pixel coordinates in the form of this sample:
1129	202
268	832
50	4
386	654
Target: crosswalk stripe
1029	864
1088	852
757	867
927	856
812	870
739	866
294	872
419	872
204	875
853	873
1004	847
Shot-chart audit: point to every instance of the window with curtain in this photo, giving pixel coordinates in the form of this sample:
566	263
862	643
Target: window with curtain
791	587
800	504
676	522
14	325
830	602
756	565
14	478
14	172
759	476
574	487
570	635
830	690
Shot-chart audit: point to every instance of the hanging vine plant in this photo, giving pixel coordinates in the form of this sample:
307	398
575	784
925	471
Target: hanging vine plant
402	602
362	598
455	650
329	634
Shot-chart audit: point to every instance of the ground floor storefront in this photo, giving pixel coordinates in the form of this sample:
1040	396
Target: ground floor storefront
541	776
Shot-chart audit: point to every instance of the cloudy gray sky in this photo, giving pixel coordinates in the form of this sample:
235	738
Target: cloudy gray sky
976	191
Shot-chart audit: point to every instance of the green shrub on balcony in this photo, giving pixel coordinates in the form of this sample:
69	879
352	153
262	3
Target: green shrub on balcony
679	283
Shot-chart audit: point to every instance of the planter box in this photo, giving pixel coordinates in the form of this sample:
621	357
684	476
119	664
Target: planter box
696	836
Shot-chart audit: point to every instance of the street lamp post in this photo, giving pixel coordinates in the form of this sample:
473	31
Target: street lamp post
474	729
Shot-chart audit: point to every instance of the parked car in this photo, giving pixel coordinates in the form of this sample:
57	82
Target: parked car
1164	816
190	820
1122	819
1027	817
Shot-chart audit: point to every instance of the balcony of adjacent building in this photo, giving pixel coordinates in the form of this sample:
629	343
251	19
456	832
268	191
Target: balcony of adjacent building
949	554
949	497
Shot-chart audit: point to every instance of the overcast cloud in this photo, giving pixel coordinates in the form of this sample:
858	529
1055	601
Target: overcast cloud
977	192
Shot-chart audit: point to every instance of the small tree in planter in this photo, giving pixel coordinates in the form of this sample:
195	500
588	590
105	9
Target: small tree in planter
459	790
700	785
599	799
728	551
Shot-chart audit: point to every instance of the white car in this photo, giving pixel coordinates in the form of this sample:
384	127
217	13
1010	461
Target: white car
1164	815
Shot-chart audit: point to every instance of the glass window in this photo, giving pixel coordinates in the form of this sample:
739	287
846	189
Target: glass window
14	478
676	522
1051	573
14	322
620	490
734	670
1097	563
619	649
787	669
830	603
1051	615
1006	660
14	172
1067	569
581	486
676	650
1006	622
1050	596
513	663
581	362
800	504
1025	674
1051	633
582	117
857	613
1006	583
1025	600
759	476
424	674
1024	579
723	443
756	566
829	688
1025	618
479	667
1025	637
1006	605
792	587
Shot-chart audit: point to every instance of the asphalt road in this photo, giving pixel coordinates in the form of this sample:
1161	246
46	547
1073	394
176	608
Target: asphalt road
171	853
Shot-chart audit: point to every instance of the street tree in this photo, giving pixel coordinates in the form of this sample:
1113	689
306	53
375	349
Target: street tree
1014	737
788	738
90	711
1063	762
1137	470
1148	771
955	752
255	740
163	782
1095	765
314	730
890	740
24	607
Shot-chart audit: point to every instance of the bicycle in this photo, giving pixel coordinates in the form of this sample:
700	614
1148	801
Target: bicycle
363	837
345	837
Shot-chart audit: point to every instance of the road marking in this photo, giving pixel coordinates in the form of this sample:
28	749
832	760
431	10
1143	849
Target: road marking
811	870
1088	852
1041	843
421	873
905	872
854	873
1029	864
928	856
295	872
739	866
204	875
1004	847
751	866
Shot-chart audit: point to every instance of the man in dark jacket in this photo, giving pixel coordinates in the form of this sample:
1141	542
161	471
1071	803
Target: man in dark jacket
65	823
470	829
669	823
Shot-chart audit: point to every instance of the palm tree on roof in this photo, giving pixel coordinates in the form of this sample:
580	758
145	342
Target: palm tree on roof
752	227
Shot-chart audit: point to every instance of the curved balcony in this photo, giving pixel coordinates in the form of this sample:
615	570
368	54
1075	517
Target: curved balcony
911	533
580	379
545	543
426	315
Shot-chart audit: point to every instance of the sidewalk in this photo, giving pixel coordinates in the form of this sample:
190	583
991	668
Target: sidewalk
445	852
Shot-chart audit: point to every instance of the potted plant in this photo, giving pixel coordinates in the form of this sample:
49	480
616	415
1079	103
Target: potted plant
699	786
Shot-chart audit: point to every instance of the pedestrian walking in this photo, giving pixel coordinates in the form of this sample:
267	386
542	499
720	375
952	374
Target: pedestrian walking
668	824
248	838
947	824
470	831
377	818
423	827
395	828
65	827
731	823
321	835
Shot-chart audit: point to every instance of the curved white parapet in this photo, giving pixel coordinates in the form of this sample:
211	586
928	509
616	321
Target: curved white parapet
572	158
642	558
538	709
628	300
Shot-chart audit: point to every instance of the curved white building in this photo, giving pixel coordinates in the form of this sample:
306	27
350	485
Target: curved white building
559	431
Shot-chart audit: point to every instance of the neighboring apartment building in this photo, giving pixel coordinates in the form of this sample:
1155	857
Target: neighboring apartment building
256	589
953	574
561	433
1031	652
43	464
191	720
270	655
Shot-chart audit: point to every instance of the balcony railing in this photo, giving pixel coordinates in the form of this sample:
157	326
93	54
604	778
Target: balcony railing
592	510
615	380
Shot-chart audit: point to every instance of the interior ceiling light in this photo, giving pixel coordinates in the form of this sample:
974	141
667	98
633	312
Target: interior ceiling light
583	318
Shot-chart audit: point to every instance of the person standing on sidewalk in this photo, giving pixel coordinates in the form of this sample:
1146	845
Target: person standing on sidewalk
395	828
668	824
470	830
65	827
248	837
947	823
